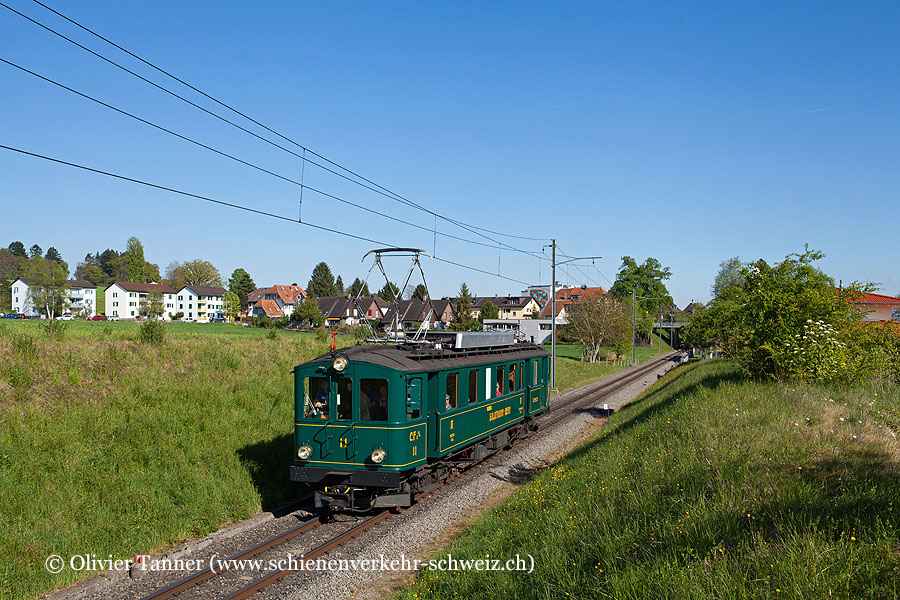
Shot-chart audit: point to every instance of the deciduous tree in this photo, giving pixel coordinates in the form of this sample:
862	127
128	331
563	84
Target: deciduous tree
241	284
308	312
134	259
647	278
153	308
197	272
48	293
232	304
731	274
598	321
489	311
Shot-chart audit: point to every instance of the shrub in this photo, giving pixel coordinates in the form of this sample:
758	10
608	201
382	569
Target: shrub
53	328
152	332
271	334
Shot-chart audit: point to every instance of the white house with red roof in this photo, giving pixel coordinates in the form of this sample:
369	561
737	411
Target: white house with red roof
878	307
274	302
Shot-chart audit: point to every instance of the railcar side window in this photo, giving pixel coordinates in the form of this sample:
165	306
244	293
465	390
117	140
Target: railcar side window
315	398
500	379
534	372
487	383
520	379
452	390
512	377
473	386
344	399
373	399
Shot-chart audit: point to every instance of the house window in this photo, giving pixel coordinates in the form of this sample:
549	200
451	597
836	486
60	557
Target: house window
181	297
115	294
895	313
132	313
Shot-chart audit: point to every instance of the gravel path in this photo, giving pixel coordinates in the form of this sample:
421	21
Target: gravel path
414	534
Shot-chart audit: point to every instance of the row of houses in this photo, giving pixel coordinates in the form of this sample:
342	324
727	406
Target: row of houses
128	300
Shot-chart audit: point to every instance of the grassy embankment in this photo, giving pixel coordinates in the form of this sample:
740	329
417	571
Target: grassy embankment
571	372
708	486
109	446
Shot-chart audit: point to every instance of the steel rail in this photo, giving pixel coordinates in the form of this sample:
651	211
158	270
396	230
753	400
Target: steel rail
198	577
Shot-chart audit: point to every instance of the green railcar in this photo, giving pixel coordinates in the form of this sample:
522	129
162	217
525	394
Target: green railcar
375	424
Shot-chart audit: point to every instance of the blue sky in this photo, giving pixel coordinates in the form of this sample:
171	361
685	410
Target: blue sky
691	133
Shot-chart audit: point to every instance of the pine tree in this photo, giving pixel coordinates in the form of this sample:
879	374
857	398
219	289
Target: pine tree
321	283
35	250
462	319
389	292
18	249
421	292
339	286
355	288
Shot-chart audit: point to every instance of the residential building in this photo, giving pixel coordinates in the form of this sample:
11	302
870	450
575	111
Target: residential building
443	311
125	299
342	310
81	297
412	313
566	296
878	307
201	303
274	302
510	307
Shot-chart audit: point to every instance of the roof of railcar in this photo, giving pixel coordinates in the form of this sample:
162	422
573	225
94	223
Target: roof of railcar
420	361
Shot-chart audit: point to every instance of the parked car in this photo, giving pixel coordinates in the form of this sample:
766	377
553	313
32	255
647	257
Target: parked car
65	317
112	318
96	318
12	316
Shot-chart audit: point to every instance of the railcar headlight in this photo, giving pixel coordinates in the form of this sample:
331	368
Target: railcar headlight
304	452
378	456
339	364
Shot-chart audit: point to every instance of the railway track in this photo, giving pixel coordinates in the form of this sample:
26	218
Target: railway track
588	396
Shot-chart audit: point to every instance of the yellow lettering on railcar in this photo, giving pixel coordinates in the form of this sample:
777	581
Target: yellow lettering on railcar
415	450
414	435
499	413
344	443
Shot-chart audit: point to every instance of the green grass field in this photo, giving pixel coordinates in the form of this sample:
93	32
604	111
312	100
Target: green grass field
708	486
571	372
110	446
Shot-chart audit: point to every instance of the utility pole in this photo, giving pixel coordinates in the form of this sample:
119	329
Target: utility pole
553	310
553	320
634	298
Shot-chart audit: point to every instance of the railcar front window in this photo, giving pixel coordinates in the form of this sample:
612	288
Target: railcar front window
473	386
315	398
452	390
344	399
373	399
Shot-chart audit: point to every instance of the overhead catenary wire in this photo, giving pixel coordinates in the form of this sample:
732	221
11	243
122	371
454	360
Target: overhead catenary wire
248	163
360	180
241	207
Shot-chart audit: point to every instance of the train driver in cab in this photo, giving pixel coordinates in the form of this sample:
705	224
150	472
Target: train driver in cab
321	399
